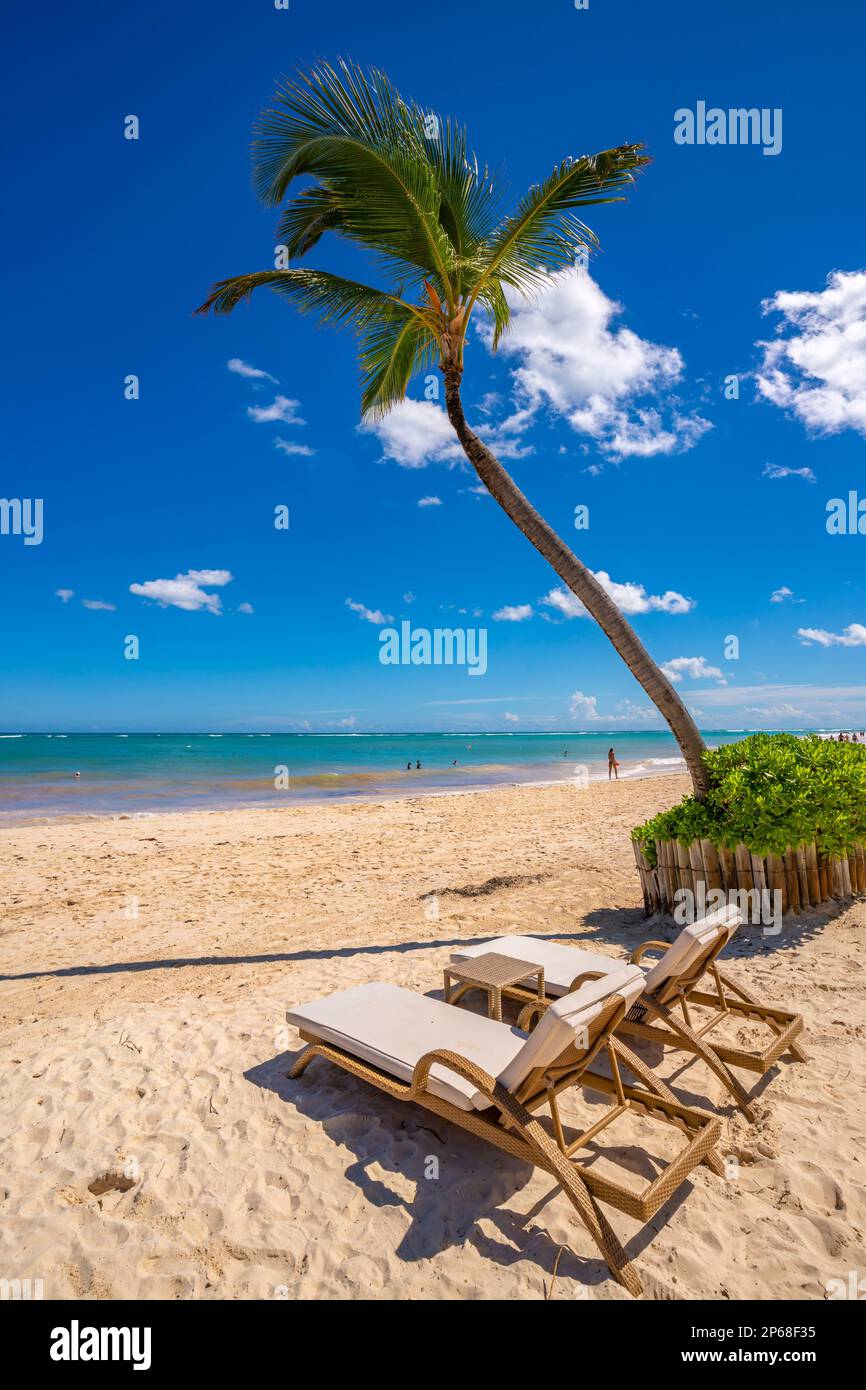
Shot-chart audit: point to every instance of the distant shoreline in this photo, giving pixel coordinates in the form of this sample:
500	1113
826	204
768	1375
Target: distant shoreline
71	776
389	733
10	820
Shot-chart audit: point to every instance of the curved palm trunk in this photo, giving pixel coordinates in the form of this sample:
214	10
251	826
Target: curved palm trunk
582	583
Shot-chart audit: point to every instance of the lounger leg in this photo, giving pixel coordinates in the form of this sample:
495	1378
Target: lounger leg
575	1190
795	1049
658	1087
302	1061
538	1140
715	1064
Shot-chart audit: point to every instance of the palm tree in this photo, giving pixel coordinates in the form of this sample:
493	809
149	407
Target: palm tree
401	184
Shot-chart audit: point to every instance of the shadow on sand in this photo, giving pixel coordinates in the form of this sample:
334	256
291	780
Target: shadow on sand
475	1180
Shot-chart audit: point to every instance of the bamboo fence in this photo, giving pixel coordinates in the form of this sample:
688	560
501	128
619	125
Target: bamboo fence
804	877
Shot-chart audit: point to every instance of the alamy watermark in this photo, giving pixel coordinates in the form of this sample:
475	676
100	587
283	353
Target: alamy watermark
735	126
846	516
16	1290
443	646
759	906
22	516
853	1287
77	1343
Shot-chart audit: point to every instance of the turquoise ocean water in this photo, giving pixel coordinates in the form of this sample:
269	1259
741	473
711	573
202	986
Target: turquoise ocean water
129	774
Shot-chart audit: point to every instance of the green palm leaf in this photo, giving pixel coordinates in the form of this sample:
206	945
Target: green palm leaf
366	148
543	235
402	183
391	353
396	338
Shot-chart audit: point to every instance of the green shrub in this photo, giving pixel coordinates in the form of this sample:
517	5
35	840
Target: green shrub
772	792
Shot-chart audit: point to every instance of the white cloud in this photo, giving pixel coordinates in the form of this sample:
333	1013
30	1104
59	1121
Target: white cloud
584	706
695	667
854	635
816	366
288	448
414	434
97	605
778	470
409	597
785	711
64	594
585	709
831	706
513	613
369	615
417	433
429	501
609	383
511	718
281	409
629	598
630	713
488	700
802	694
779	595
246	608
185	591
240	368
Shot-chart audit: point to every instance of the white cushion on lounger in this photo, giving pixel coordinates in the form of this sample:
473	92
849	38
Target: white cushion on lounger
568	1020
562	964
393	1028
691	942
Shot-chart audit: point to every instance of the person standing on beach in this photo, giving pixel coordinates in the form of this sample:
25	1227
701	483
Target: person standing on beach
612	764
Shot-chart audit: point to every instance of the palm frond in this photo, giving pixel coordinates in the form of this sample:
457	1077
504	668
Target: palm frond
469	209
544	235
395	338
357	136
402	183
391	353
492	297
306	218
334	298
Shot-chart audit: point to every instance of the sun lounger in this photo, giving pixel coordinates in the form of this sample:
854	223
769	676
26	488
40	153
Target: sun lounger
489	1078
671	985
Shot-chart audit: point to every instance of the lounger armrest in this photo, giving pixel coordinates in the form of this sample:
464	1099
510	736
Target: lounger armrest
454	1062
582	979
647	946
526	1019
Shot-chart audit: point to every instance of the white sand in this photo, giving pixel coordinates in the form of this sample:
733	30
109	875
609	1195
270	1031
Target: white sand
159	1054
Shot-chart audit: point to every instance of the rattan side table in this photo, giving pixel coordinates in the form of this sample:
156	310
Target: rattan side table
494	974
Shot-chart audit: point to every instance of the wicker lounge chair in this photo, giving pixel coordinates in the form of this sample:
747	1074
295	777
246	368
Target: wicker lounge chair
490	1078
672	985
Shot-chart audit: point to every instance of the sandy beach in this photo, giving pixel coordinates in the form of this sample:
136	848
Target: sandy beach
151	1147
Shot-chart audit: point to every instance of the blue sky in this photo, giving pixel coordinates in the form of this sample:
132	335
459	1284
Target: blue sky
610	393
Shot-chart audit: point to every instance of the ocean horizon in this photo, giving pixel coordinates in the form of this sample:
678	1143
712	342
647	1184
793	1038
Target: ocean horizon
146	773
